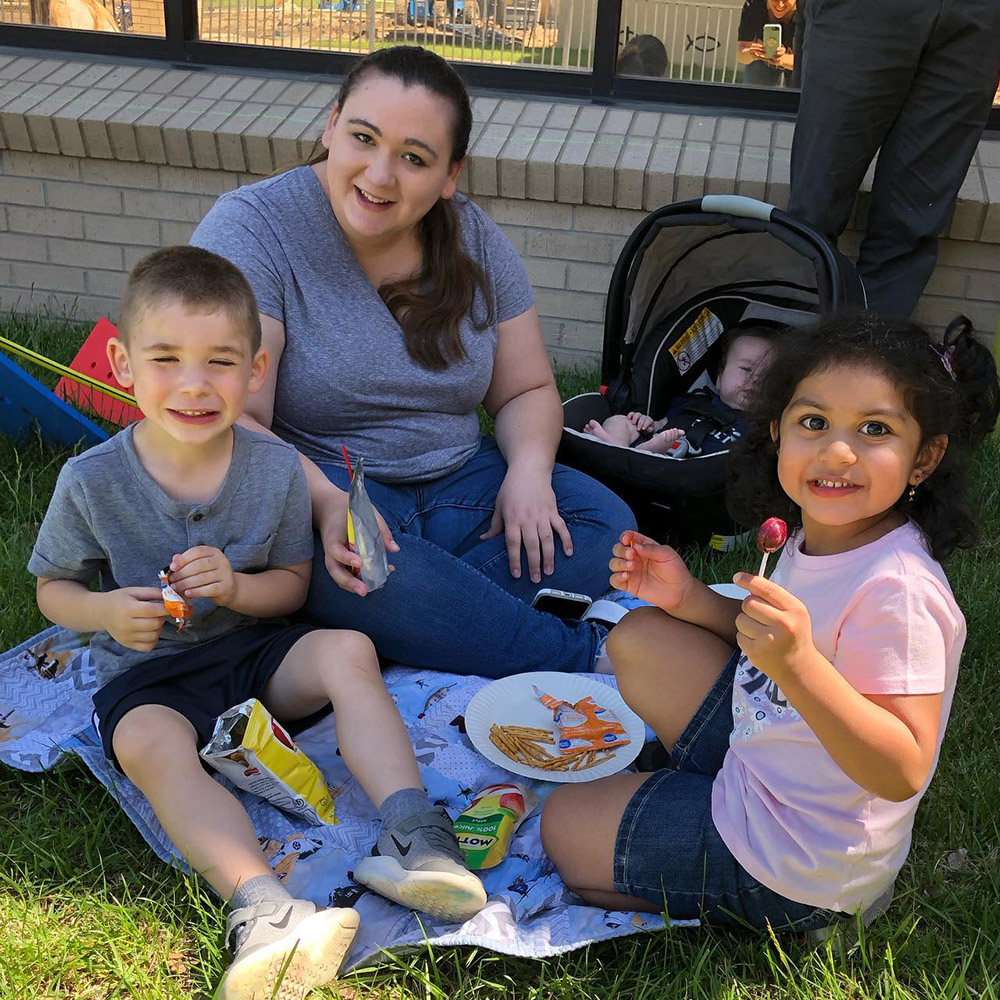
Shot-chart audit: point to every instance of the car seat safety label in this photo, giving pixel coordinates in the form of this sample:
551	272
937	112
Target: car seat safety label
696	340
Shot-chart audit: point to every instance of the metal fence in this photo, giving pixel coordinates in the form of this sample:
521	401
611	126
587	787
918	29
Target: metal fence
700	38
87	15
495	32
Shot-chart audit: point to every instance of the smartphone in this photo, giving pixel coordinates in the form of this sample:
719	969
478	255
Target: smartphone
772	40
561	603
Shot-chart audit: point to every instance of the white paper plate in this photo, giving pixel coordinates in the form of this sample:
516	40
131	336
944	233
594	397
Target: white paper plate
511	701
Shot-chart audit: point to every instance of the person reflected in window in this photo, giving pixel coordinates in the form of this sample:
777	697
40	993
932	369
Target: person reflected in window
642	55
762	70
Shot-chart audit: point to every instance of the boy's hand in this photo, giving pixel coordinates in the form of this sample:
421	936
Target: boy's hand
203	571
773	628
654	572
135	616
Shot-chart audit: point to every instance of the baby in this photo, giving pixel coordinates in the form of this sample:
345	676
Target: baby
745	353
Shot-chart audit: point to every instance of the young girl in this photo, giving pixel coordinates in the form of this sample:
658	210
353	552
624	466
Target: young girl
796	771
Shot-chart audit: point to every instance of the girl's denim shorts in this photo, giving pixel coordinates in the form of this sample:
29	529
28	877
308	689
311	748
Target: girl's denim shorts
668	851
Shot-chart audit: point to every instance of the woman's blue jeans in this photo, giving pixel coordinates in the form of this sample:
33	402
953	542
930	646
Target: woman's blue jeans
451	603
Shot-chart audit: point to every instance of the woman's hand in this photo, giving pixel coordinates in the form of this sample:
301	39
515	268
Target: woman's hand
774	628
526	513
649	570
783	59
330	518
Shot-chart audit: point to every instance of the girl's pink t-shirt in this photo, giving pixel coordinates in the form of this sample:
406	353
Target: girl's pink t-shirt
885	617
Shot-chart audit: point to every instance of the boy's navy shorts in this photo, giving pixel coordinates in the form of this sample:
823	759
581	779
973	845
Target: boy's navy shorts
200	683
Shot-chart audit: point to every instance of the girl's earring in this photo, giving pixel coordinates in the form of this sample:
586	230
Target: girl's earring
912	493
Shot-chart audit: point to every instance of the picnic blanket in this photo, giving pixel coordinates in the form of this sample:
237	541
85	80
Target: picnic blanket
46	690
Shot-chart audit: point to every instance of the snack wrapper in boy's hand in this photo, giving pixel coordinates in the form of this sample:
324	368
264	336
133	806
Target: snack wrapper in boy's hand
256	754
583	725
363	534
180	610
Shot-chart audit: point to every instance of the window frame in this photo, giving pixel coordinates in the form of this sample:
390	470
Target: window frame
182	48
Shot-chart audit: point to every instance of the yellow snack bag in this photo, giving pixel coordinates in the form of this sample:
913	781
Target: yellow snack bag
484	831
255	753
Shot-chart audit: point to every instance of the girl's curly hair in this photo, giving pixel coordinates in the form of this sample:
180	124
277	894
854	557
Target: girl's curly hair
949	389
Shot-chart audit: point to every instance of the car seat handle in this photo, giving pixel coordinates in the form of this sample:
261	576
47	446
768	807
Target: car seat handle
738	205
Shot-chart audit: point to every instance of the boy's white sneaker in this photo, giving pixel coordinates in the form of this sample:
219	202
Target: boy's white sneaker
419	864
281	951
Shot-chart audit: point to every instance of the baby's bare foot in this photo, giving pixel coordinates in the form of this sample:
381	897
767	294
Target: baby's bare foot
593	427
660	443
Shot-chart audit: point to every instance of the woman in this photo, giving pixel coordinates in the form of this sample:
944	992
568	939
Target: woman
761	70
391	308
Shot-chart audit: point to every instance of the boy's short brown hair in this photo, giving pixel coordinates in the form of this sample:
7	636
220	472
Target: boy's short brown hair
196	278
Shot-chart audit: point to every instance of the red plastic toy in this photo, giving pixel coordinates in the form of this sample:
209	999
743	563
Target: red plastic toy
92	360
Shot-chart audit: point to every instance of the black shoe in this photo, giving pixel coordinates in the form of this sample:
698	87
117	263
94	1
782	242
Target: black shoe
652	757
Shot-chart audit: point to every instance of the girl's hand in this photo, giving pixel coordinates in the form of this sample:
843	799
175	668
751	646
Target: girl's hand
773	628
203	571
526	513
640	421
649	570
330	518
134	616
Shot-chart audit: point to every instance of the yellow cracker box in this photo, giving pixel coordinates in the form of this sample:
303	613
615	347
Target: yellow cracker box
256	754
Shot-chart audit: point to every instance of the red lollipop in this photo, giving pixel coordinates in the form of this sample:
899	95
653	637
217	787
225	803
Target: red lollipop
771	536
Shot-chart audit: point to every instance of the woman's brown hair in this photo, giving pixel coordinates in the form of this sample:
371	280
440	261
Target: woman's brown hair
431	305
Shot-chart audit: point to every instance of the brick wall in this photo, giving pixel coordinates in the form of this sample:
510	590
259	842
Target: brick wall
101	162
147	17
71	227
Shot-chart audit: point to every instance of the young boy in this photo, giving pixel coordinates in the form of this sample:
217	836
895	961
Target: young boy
228	511
746	351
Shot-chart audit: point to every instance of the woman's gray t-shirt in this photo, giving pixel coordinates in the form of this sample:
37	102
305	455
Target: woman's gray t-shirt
345	378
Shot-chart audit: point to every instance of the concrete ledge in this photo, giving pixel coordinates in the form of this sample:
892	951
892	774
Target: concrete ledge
563	152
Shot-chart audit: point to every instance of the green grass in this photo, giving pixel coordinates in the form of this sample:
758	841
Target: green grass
87	911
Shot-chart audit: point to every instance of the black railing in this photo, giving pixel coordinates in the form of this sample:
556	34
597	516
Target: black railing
182	46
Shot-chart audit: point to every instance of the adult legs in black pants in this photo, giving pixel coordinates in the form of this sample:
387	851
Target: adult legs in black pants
912	80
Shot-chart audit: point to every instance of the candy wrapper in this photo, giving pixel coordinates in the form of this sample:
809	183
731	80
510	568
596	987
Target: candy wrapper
180	610
484	831
256	754
363	533
583	725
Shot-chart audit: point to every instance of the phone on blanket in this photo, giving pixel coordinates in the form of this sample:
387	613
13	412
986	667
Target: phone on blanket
772	40
561	603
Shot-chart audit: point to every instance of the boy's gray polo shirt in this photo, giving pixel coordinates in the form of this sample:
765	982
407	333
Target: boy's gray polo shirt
110	520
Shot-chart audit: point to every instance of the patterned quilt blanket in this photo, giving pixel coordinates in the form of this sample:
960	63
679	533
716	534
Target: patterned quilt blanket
46	689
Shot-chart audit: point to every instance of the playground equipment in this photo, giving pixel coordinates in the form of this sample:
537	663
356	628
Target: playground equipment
27	406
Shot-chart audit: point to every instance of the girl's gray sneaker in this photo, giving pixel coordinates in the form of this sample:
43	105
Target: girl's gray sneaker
281	951
419	864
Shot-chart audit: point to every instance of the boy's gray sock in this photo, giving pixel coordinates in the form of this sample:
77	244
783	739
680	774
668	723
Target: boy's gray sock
258	889
402	805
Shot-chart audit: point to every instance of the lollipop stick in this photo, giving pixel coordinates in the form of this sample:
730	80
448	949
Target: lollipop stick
763	564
